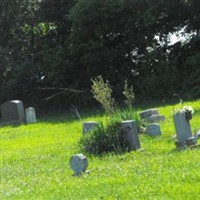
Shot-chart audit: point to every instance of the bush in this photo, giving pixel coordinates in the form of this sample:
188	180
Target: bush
102	140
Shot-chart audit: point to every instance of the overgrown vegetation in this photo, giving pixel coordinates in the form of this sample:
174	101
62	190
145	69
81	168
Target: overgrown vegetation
109	138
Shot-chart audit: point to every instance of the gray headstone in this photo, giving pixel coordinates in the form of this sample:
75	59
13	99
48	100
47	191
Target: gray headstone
78	163
182	126
13	112
155	118
129	132
30	115
153	130
88	126
147	113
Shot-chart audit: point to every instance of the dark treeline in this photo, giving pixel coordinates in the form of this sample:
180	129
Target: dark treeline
66	43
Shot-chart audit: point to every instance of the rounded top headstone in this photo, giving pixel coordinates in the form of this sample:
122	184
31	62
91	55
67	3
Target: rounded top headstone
78	163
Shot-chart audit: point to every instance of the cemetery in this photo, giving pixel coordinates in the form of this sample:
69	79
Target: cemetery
100	100
148	153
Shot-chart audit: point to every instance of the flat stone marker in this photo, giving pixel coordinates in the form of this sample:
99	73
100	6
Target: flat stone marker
153	130
182	126
13	112
88	126
78	163
147	113
155	118
30	115
129	132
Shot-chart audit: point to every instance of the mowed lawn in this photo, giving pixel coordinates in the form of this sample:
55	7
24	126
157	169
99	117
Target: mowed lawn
35	163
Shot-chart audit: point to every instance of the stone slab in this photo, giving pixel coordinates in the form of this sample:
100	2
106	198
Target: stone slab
78	163
182	126
155	118
30	115
147	113
129	132
153	130
88	126
13	112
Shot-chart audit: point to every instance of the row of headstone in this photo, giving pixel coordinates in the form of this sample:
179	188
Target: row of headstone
13	112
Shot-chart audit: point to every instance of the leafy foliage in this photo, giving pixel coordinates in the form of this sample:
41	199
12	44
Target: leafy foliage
68	43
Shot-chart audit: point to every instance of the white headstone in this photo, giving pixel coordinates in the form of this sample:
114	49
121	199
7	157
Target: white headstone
78	163
30	115
129	132
13	112
88	126
153	130
182	126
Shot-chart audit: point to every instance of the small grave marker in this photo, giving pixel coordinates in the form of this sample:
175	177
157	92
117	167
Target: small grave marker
153	130
148	113
78	163
30	115
129	132
88	126
155	118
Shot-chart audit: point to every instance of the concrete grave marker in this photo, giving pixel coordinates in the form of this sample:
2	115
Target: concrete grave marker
13	112
148	113
30	115
88	126
129	133
78	163
182	126
153	130
155	118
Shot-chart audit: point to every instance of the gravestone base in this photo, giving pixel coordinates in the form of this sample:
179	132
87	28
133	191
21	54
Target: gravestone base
191	141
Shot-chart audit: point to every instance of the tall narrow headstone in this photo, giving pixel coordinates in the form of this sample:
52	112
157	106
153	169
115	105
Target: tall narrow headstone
30	115
129	132
88	126
13	112
182	126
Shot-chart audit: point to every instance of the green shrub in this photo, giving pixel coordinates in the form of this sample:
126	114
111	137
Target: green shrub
102	140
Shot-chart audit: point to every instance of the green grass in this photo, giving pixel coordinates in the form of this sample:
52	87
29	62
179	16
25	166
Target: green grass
35	163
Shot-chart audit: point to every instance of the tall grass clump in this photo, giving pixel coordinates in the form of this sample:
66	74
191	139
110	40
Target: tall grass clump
109	138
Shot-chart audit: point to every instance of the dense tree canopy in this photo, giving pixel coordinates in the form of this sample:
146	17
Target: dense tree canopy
66	43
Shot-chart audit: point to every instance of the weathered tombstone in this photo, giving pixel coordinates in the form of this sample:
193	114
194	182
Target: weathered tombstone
30	115
153	130
129	131
147	113
88	126
13	112
78	163
182	126
155	118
